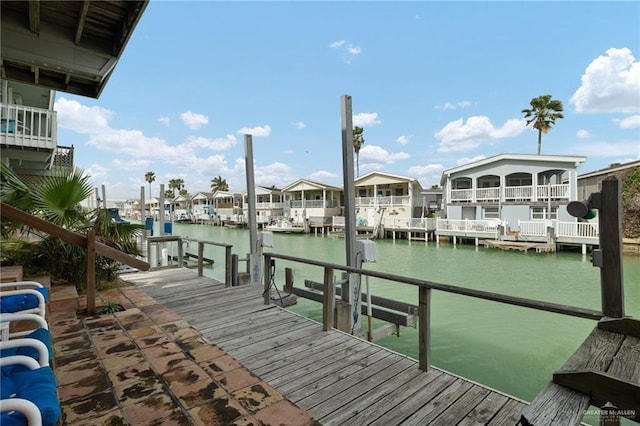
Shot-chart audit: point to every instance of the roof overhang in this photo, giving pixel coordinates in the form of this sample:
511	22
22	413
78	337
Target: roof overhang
68	46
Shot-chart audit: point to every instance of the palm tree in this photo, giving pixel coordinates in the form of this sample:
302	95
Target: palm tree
358	141
219	184
150	177
543	114
176	184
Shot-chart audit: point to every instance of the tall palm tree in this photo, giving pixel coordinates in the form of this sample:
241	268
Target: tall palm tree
543	114
176	184
150	177
358	141
219	184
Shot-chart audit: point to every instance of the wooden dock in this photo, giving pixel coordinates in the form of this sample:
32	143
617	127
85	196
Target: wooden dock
337	378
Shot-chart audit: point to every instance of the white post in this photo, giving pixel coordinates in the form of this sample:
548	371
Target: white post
255	257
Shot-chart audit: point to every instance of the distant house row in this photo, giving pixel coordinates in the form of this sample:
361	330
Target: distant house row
507	196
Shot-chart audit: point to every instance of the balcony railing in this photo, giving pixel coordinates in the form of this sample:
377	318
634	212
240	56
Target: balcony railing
511	193
391	200
313	204
465	225
27	127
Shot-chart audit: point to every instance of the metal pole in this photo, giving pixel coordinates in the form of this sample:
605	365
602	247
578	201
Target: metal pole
104	197
254	243
161	211
142	216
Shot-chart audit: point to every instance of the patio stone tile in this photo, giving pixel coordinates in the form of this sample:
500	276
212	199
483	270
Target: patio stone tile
177	419
191	343
134	392
164	348
62	358
75	371
128	313
95	383
104	321
138	324
72	344
84	409
154	340
112	418
65	326
219	365
110	338
283	413
165	316
245	421
194	394
237	379
174	326
169	362
258	396
122	360
221	411
150	410
131	373
185	374
206	353
117	346
144	331
184	333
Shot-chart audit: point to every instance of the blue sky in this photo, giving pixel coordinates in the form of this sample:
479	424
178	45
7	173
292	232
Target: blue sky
434	84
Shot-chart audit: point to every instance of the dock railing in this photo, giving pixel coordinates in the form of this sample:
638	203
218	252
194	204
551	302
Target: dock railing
181	254
425	288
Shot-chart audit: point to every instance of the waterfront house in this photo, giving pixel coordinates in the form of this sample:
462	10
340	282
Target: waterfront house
588	183
202	205
269	204
228	207
514	196
315	202
395	200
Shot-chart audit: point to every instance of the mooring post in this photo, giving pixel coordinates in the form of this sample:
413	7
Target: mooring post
91	271
328	300
267	279
288	280
424	328
610	224
200	254
180	254
234	270
228	269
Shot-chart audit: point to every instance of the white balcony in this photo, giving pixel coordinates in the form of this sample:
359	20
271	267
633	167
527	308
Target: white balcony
510	194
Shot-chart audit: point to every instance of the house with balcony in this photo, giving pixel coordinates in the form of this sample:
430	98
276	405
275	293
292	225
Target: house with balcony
269	204
202	205
514	196
315	202
392	201
228	208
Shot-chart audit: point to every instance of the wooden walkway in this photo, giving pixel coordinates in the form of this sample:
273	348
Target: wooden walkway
337	378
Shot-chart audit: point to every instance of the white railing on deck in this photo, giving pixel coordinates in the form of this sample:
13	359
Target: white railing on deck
577	229
461	194
532	228
466	225
488	194
561	191
27	126
392	200
518	193
268	205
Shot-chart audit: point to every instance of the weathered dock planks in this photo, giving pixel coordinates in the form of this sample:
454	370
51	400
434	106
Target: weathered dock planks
337	378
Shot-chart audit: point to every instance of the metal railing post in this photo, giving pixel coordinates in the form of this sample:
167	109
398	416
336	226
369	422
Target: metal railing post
424	328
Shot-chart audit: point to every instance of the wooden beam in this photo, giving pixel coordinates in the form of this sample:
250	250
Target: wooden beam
603	388
627	326
424	328
34	16
328	300
82	19
91	271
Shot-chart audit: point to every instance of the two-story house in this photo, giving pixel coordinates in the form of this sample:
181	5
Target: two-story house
315	202
518	196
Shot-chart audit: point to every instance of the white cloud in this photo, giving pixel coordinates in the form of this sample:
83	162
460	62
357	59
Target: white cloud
610	84
452	106
288	151
322	175
165	120
467	160
430	173
460	136
608	149
255	131
194	121
364	119
98	174
403	140
130	164
378	155
82	119
278	174
583	134
629	122
347	51
217	144
299	125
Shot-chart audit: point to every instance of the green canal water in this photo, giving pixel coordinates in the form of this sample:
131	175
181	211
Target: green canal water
512	349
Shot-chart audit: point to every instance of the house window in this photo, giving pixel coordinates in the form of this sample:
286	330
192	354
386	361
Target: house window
491	213
362	192
540	213
399	192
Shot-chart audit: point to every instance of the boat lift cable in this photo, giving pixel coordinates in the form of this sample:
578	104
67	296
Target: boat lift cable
272	283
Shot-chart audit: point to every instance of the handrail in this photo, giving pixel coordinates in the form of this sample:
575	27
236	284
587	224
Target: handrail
89	243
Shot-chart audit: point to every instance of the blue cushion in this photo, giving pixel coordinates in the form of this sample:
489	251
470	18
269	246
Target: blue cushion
37	386
40	334
21	302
